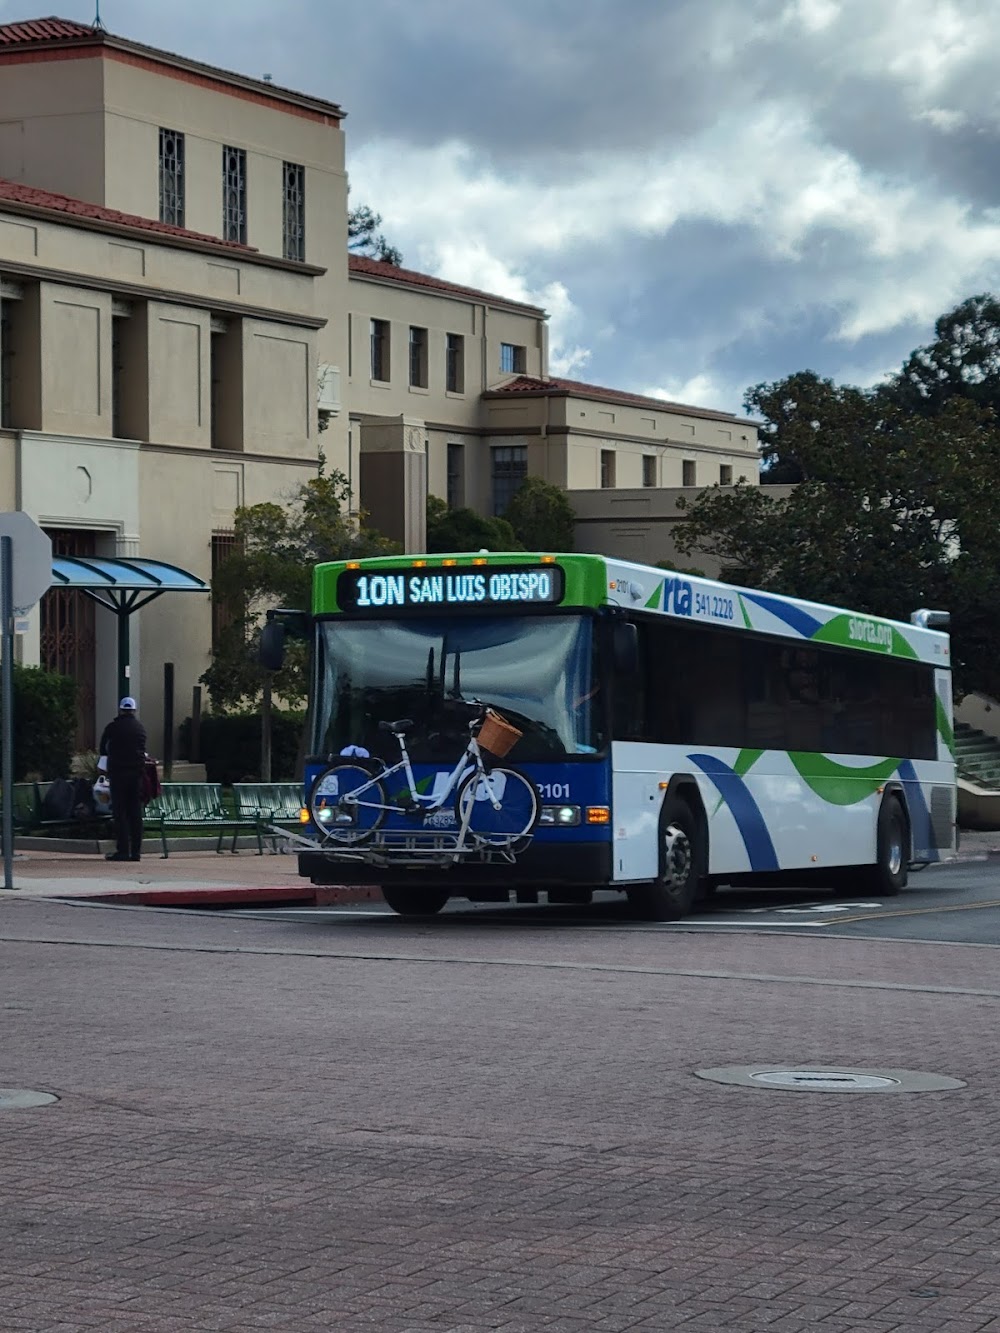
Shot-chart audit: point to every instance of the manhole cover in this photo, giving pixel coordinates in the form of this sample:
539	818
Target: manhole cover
16	1099
823	1078
824	1082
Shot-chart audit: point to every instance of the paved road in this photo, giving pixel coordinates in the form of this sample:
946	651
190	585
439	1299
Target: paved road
469	1126
958	903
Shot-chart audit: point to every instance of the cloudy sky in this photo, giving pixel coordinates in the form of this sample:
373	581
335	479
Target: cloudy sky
703	193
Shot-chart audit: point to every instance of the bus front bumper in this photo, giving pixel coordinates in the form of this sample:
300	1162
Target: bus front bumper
576	864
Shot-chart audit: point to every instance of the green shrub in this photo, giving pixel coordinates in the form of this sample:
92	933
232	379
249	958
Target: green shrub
44	723
230	745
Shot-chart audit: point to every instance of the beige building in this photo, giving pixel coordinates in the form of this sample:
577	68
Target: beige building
183	332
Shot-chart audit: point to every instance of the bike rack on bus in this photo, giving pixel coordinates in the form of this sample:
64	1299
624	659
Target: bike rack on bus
411	847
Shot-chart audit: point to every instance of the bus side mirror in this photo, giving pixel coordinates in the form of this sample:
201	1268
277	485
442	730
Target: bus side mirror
625	648
271	653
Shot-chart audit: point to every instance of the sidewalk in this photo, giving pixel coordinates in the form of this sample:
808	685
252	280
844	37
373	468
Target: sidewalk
187	877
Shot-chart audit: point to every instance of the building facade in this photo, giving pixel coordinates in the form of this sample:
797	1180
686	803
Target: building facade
182	332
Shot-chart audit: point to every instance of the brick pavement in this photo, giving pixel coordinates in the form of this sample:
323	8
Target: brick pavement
380	1126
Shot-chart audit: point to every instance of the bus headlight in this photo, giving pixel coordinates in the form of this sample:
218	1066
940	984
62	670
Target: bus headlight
560	816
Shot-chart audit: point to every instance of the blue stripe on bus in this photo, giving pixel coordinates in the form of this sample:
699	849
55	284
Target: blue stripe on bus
920	815
744	810
793	616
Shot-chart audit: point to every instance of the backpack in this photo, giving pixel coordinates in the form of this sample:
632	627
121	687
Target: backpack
59	801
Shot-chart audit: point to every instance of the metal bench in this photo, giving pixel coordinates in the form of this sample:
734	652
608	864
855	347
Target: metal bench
29	817
190	805
264	805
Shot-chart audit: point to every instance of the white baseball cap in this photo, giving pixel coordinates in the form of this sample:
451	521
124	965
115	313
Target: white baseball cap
127	705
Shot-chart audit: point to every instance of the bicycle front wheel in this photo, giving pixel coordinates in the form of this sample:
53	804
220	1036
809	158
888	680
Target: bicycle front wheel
497	807
347	804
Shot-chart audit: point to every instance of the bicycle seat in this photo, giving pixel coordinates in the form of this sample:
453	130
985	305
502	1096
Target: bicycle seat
404	724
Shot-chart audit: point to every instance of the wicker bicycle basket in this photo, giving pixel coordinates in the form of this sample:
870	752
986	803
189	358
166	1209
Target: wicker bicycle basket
497	735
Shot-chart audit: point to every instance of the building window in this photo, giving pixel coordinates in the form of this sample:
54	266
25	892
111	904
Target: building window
6	362
418	358
234	195
689	473
294	212
607	469
454	373
513	360
224	612
725	474
226	384
649	469
172	177
510	467
117	374
456	476
380	350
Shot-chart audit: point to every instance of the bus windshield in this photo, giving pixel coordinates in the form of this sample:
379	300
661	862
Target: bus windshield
537	671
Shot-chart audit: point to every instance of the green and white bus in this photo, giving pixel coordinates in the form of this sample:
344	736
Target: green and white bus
679	733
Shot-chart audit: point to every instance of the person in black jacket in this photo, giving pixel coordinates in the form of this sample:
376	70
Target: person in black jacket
124	744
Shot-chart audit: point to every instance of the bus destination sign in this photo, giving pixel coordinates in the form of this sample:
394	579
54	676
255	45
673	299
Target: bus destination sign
508	586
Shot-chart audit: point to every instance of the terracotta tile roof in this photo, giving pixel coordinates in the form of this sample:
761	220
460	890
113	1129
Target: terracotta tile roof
30	197
45	30
560	388
376	268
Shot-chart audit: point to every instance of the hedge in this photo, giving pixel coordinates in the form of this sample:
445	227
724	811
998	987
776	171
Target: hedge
44	723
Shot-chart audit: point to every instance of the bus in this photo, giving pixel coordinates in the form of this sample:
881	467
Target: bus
678	734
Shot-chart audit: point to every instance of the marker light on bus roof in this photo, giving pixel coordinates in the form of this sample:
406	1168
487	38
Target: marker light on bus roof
353	564
548	560
419	564
449	562
478	560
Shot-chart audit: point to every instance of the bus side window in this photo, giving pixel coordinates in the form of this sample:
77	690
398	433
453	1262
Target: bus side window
629	693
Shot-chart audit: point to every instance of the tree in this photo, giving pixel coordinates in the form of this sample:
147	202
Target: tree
795	411
541	516
963	361
465	530
364	237
896	511
276	548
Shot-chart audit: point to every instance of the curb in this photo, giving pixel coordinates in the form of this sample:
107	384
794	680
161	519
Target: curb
305	895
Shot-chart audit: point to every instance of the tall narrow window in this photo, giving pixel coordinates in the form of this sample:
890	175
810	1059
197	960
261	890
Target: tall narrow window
648	470
510	467
456	476
224	612
418	357
513	360
172	177
6	362
117	374
689	472
607	468
725	474
380	349
294	216
234	195
226	385
454	374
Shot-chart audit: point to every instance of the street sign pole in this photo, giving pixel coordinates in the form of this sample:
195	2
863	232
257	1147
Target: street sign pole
7	713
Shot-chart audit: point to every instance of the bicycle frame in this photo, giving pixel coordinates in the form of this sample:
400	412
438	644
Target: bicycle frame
470	756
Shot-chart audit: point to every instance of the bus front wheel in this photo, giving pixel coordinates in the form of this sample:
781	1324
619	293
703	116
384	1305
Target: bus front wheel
672	893
416	901
889	873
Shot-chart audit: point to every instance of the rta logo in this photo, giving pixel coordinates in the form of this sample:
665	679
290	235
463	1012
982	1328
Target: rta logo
677	596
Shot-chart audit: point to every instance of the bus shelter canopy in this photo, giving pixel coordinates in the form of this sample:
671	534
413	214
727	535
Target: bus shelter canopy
123	584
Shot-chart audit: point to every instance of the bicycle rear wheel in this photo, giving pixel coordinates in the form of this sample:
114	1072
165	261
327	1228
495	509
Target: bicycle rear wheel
344	821
498	807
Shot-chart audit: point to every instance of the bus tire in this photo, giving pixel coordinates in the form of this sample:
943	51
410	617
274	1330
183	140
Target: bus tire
671	895
892	835
416	901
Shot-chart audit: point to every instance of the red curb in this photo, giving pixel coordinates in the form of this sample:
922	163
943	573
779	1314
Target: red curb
300	895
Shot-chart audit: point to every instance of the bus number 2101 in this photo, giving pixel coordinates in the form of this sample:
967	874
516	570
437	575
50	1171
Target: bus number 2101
554	791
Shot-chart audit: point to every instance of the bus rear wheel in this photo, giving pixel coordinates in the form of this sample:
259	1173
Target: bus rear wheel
888	875
416	901
672	893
